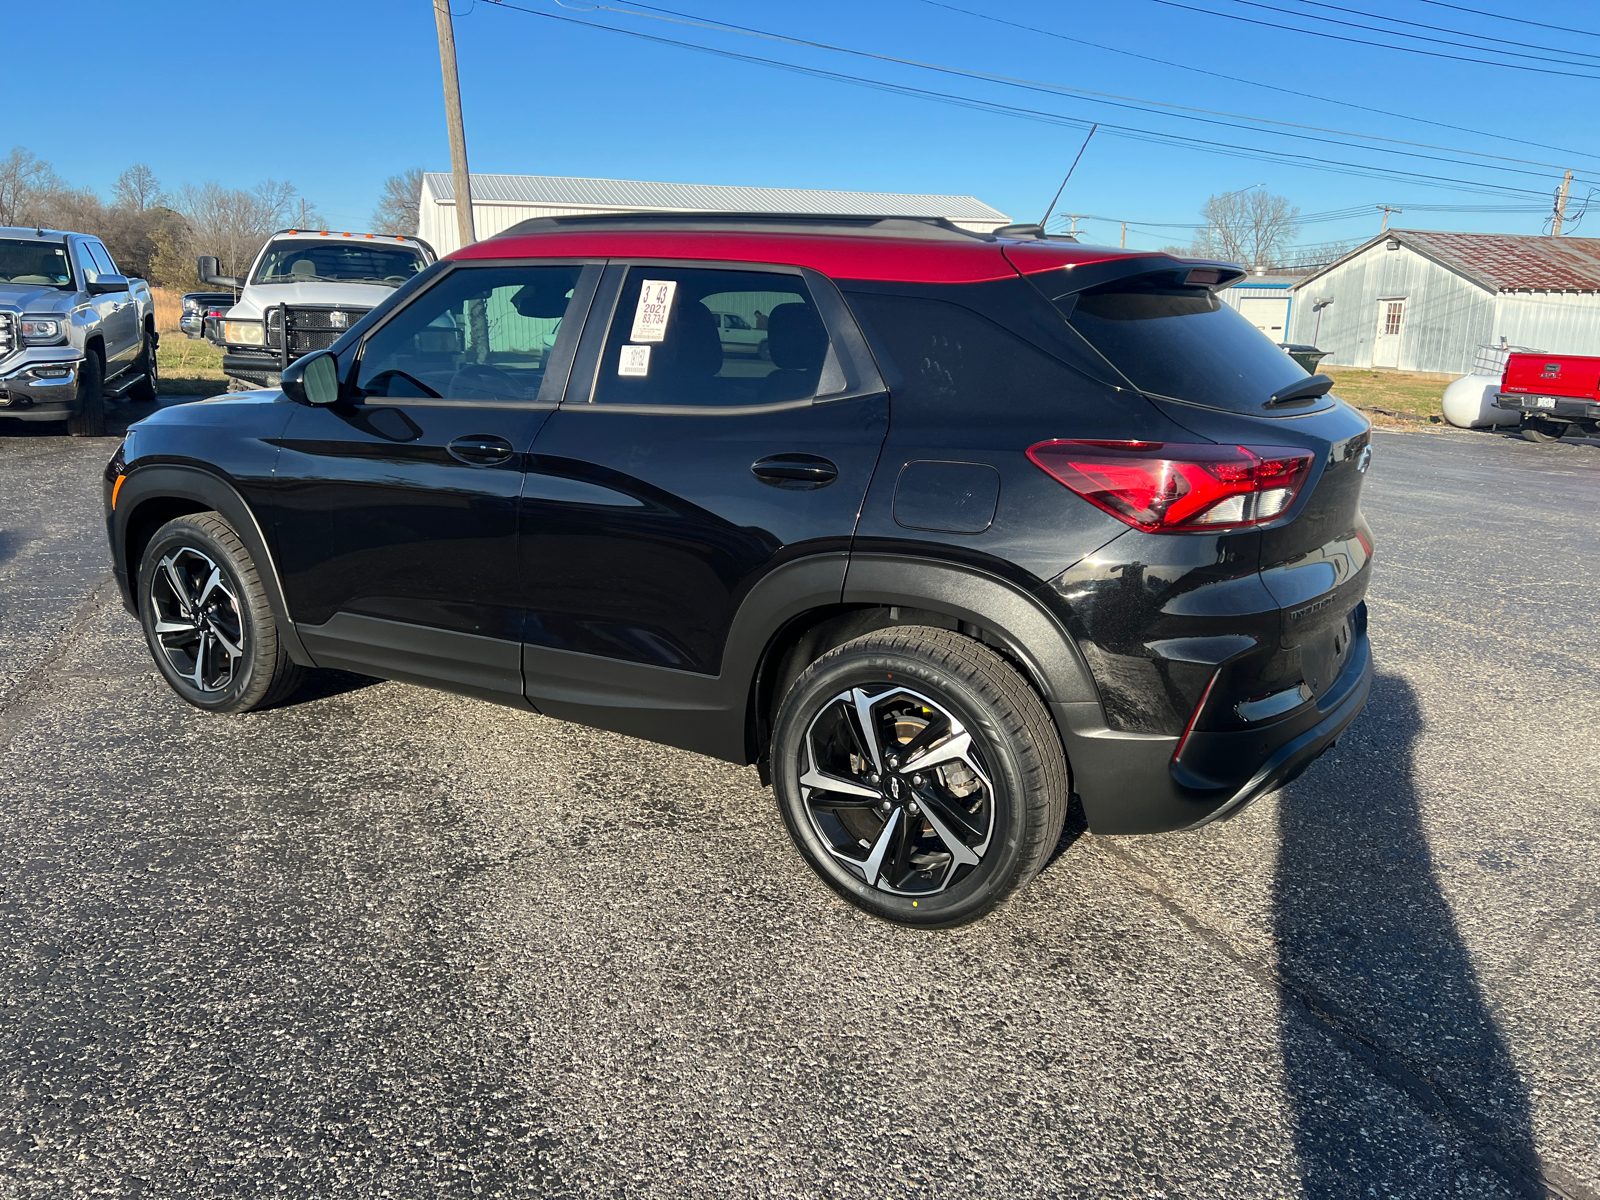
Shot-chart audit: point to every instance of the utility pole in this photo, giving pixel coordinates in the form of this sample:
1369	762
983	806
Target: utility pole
452	114
1387	212
1074	230
1124	235
1561	206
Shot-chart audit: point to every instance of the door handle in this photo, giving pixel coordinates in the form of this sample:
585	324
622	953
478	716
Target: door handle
795	472
481	450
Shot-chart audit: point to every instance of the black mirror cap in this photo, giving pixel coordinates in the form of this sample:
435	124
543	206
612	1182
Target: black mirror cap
106	284
208	268
313	380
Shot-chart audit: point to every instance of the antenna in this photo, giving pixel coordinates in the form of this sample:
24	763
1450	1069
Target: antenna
1070	170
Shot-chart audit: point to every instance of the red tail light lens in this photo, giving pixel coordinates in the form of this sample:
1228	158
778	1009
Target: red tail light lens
1174	487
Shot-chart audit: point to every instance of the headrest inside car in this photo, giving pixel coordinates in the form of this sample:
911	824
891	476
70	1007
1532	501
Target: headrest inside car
795	337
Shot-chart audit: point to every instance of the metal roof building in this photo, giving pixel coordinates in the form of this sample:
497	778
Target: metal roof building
1424	301
500	201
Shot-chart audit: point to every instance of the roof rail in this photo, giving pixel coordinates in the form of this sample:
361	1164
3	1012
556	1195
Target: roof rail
940	229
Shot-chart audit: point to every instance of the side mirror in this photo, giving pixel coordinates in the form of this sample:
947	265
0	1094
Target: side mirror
313	379
104	285
209	266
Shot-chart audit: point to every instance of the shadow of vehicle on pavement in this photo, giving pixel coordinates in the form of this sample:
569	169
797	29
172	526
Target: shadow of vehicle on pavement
1369	951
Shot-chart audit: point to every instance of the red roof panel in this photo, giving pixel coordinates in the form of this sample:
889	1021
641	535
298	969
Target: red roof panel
839	256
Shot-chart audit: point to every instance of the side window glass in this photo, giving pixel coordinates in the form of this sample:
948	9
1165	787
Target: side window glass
482	333
954	362
712	338
91	269
102	259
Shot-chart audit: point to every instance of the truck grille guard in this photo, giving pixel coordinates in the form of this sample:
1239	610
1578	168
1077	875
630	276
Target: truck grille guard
296	330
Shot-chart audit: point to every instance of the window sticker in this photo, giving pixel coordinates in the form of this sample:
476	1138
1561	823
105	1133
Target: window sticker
634	360
655	305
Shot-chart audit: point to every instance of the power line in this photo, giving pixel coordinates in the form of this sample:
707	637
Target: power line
1131	132
1338	37
1440	41
1478	12
1255	82
1184	112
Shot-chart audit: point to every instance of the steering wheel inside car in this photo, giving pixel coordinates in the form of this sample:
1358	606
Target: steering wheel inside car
479	381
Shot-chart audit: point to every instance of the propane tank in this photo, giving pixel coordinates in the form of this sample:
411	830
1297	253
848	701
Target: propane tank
1469	403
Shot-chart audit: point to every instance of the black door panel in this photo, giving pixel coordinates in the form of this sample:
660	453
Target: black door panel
401	502
642	533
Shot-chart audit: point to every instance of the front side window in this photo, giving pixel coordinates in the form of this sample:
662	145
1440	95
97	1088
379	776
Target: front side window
325	261
480	333
712	338
102	258
40	264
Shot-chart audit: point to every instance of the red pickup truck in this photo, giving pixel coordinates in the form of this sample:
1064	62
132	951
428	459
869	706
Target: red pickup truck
1555	393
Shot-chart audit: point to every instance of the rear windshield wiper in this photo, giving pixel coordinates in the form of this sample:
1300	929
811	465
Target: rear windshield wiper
1302	391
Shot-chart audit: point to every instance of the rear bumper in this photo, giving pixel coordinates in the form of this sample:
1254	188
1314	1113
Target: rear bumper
1130	784
1561	408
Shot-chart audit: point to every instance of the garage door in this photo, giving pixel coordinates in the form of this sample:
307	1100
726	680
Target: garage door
1268	314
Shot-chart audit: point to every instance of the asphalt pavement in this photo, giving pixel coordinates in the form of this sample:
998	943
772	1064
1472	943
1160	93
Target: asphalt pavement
389	942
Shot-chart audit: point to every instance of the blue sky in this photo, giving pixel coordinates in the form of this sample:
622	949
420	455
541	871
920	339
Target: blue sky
336	96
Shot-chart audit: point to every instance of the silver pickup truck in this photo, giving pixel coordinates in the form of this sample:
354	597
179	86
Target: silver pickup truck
73	330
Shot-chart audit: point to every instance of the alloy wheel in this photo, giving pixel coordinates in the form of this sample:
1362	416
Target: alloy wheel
897	790
197	620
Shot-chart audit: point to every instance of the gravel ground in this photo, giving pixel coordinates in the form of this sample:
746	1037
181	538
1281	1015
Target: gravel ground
388	942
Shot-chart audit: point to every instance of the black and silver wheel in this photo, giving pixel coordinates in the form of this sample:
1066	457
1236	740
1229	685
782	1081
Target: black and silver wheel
148	388
919	775
90	420
207	621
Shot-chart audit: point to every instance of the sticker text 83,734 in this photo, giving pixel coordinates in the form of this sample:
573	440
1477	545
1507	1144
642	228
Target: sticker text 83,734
655	306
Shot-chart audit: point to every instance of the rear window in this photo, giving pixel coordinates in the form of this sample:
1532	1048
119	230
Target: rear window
1182	343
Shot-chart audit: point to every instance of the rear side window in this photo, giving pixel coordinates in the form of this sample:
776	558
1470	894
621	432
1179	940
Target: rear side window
1182	343
952	361
690	336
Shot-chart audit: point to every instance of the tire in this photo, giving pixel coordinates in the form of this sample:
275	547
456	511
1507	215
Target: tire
1542	431
987	805
764	351
148	388
91	418
206	618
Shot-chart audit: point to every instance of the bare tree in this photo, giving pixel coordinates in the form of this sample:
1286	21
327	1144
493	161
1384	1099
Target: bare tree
27	185
233	224
1252	228
399	204
137	189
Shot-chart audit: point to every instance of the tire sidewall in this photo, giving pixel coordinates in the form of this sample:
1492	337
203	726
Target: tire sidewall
995	877
177	534
90	420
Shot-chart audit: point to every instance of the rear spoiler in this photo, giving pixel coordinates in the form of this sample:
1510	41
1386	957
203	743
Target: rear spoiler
1049	274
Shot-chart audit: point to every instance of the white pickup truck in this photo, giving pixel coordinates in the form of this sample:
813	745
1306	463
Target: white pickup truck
305	288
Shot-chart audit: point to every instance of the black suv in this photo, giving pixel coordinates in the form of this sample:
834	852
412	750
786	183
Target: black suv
944	528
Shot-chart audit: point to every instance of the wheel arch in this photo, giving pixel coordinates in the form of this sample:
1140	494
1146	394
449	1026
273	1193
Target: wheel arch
884	591
151	496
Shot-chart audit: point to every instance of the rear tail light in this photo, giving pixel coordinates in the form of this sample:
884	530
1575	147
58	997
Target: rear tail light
1173	487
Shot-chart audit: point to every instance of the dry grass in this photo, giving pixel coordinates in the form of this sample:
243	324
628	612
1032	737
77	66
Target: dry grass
169	307
189	367
1392	397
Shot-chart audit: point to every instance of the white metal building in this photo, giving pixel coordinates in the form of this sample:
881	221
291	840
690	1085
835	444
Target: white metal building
501	201
1424	301
1266	301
